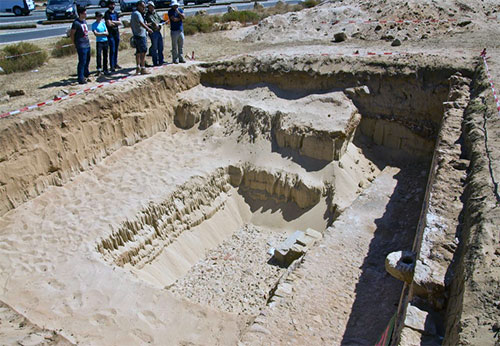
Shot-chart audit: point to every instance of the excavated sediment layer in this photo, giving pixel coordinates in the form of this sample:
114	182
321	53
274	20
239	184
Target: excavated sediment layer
47	147
396	103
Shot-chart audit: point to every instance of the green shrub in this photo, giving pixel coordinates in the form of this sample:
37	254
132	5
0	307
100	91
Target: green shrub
241	16
25	62
310	3
63	47
195	24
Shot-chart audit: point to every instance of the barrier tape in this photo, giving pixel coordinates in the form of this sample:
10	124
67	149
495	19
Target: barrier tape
393	21
490	80
192	58
356	53
385	338
73	94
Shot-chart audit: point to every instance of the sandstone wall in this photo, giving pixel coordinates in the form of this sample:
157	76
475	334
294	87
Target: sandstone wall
138	242
472	314
406	90
44	148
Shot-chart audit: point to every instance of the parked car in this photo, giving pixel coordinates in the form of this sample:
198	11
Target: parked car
18	7
162	3
87	3
60	9
197	2
127	5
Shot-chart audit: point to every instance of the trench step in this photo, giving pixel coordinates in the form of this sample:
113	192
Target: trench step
325	285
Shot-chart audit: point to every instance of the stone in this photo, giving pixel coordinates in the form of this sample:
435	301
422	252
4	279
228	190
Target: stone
396	43
340	37
314	234
464	23
257	328
288	251
410	337
401	265
14	93
283	290
419	320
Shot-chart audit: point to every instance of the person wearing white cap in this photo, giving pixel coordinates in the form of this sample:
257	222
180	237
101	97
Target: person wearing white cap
176	15
154	21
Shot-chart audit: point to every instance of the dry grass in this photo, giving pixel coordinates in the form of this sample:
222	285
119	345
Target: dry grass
34	57
207	23
63	47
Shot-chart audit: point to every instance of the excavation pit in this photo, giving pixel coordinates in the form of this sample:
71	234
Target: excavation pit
225	162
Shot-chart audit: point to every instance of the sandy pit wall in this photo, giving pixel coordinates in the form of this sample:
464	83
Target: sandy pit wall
47	147
473	309
452	296
400	99
139	242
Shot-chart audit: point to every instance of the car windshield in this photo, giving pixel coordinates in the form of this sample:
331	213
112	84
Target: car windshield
59	2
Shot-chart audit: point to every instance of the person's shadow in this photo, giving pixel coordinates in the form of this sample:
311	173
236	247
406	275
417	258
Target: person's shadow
377	293
73	80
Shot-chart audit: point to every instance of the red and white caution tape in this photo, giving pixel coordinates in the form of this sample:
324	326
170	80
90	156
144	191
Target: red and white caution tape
490	80
65	97
393	21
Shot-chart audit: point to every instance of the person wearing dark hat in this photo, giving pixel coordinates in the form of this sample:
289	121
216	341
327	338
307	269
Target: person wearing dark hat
176	16
154	21
79	34
112	23
101	45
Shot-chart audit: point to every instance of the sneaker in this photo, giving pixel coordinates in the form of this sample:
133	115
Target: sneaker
181	60
137	70
107	73
113	70
82	82
117	66
175	62
88	80
144	71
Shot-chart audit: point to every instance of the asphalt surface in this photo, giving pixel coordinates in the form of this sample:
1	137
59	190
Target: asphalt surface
54	30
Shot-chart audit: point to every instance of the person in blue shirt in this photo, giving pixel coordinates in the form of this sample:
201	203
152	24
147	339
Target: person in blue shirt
176	15
112	24
101	44
79	34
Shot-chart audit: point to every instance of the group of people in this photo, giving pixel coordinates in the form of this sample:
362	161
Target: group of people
107	35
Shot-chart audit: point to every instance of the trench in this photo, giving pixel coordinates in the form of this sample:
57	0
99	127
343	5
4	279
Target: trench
300	142
222	235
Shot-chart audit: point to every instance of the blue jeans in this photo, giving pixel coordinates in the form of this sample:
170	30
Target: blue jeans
177	44
102	55
114	43
82	69
157	48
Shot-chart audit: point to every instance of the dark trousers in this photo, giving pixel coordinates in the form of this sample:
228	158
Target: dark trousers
157	48
114	43
102	55
82	69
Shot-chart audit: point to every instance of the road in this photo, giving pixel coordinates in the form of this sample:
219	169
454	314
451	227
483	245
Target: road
54	30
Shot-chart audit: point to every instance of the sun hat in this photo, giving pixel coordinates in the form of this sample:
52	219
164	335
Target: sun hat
150	3
174	3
